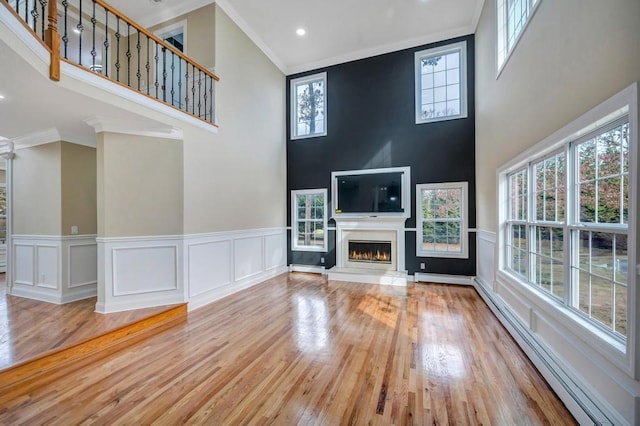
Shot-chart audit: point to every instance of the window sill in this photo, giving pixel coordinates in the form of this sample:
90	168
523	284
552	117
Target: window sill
316	135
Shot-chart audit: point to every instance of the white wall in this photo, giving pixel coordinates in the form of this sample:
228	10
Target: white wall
574	55
237	179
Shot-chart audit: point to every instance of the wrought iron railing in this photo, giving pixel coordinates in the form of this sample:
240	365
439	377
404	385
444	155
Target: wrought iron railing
97	37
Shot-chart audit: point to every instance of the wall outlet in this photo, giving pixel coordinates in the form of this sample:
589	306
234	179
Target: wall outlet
74	230
422	266
322	260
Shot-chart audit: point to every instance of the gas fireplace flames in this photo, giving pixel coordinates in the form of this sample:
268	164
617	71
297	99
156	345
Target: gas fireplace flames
370	256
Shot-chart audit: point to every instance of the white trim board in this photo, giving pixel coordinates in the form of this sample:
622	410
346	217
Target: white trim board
310	269
442	278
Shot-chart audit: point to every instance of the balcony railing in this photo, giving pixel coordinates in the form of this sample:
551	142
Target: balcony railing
100	39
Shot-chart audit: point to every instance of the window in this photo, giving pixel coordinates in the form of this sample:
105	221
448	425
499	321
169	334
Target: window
513	16
442	220
309	106
441	83
309	220
567	225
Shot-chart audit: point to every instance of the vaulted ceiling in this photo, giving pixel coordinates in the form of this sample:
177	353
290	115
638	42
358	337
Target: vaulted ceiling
336	30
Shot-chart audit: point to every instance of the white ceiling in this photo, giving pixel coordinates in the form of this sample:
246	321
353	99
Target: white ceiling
337	30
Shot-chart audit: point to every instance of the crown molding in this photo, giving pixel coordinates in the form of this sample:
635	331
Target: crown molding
231	12
381	50
132	127
41	137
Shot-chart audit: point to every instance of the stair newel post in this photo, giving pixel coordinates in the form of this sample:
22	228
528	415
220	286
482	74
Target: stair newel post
52	39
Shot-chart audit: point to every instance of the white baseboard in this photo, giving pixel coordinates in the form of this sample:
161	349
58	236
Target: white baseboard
311	269
227	290
442	278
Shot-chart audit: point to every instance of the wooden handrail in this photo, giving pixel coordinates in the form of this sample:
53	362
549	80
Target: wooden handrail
155	38
52	39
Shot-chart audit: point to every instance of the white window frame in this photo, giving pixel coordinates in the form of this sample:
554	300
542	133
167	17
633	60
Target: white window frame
461	48
294	219
464	220
503	49
620	352
293	118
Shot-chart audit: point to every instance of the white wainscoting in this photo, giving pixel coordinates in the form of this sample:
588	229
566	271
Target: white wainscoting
593	388
140	272
56	269
222	263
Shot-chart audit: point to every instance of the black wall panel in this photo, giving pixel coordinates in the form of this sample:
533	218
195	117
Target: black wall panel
371	124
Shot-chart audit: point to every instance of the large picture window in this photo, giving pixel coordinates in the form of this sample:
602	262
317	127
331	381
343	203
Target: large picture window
309	106
441	83
309	220
513	16
567	225
442	220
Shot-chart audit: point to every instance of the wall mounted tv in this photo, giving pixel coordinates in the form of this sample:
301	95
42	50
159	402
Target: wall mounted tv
372	192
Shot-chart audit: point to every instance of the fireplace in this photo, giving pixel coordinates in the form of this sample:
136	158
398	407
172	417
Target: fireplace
370	251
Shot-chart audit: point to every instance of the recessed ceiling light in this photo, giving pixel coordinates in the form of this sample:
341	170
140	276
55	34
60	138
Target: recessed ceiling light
301	31
1	96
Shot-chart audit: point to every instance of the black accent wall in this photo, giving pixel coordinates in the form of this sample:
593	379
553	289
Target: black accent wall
371	124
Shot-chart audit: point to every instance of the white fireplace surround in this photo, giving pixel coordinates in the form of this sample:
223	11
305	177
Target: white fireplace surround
374	229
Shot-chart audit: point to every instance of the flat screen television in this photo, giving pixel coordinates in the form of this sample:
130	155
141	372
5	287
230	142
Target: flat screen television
370	193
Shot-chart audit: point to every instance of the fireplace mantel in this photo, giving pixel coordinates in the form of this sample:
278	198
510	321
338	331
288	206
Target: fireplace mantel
392	227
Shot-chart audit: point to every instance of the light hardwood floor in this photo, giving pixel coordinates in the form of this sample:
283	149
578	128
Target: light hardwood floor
298	349
29	328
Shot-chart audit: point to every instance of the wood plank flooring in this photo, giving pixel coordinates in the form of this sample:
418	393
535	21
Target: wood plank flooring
298	349
29	328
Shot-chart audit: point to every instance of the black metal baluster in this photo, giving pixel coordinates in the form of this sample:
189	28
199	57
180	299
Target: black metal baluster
199	92
138	74
213	82
186	87
43	4
80	29
34	15
205	96
173	79
164	74
128	54
106	43
180	82
65	36
148	66
157	70
117	48
93	33
26	11
193	90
